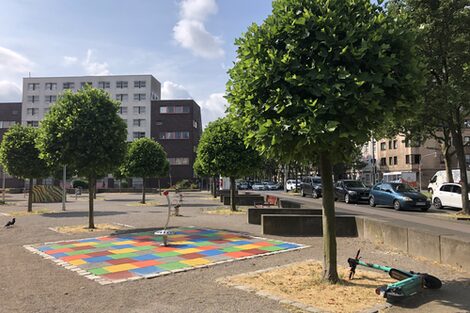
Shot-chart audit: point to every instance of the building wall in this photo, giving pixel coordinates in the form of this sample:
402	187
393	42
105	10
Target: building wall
37	93
168	128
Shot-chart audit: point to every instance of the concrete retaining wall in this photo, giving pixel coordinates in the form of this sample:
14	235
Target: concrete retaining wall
305	225
290	204
244	199
254	214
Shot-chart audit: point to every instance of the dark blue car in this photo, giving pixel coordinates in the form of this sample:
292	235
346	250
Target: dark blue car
398	195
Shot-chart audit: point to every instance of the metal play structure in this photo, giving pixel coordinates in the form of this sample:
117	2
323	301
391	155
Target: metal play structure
174	204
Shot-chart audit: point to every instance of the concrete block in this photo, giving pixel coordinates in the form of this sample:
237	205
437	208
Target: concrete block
360	226
305	225
424	244
395	236
290	204
455	252
254	214
373	230
244	199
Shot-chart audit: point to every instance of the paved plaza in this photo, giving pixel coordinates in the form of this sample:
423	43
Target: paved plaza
32	283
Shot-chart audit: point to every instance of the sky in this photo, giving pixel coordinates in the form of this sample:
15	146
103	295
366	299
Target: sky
188	45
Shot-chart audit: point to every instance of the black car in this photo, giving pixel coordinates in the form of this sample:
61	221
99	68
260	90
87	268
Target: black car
311	185
351	191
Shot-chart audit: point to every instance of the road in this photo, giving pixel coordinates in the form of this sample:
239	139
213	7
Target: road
433	220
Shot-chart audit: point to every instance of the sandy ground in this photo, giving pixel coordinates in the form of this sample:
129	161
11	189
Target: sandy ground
29	283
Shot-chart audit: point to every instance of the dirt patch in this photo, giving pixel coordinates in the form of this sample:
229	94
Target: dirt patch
26	213
84	228
147	203
225	211
301	282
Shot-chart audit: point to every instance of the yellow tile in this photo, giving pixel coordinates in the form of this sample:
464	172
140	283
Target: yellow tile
246	247
121	251
186	251
235	239
119	267
175	243
196	262
82	244
77	262
127	242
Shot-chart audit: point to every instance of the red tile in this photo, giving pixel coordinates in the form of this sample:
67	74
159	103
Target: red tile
119	275
82	248
99	253
164	249
74	257
146	243
58	250
255	251
236	255
146	263
263	244
120	261
204	248
193	255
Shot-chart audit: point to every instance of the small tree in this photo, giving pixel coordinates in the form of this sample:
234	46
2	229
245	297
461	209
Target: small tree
221	150
84	131
316	78
20	157
145	158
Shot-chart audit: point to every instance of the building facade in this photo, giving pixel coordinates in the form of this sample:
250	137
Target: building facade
135	92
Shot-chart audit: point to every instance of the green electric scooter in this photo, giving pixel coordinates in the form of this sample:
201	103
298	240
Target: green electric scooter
408	284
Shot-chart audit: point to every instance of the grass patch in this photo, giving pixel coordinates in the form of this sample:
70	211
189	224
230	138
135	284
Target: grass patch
302	282
26	213
74	229
226	211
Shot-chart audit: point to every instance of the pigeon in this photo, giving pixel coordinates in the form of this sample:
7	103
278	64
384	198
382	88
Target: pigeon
10	223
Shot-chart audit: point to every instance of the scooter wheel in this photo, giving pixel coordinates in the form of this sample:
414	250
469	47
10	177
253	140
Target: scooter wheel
432	282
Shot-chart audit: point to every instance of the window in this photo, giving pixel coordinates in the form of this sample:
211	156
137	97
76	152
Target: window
466	139
33	86
32	123
174	109
456	189
50	99
104	85
137	135
139	96
390	160
121	84
467	159
154	96
383	146
33	99
122	110
178	161
446	188
466	123
407	159
158	123
416	158
139	84
51	86
83	84
68	85
395	144
174	135
139	122
32	111
383	161
139	110
390	144
7	124
122	97
395	160
195	124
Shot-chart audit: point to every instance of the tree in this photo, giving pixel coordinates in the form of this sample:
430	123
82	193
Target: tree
84	131
221	150
316	78
444	45
20	157
145	158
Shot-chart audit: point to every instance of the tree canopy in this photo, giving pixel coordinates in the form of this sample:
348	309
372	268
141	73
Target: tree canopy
84	131
317	77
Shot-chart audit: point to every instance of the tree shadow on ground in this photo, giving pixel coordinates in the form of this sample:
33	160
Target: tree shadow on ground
81	214
453	294
191	205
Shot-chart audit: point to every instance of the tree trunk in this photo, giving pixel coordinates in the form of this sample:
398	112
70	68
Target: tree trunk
330	273
214	185
284	176
91	195
459	149
447	161
143	191
233	187
30	196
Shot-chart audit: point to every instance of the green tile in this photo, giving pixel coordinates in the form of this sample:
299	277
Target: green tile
202	243
173	266
77	252
167	254
231	249
105	245
143	248
123	255
272	248
98	271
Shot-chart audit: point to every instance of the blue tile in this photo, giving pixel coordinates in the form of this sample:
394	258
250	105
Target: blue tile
287	246
115	247
241	242
147	270
146	257
59	255
98	259
211	252
45	248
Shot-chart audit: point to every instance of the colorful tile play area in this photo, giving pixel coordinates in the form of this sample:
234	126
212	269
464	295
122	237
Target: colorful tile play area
130	256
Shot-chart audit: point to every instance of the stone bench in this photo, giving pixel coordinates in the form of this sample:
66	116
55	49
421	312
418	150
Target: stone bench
290	204
244	199
306	225
254	214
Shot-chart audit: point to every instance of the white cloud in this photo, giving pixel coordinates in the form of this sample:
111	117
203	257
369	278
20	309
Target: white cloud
94	68
13	62
170	90
213	107
9	91
190	32
197	9
70	60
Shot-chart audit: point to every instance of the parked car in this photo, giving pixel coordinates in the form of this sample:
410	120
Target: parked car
311	185
399	196
259	186
292	184
242	185
448	195
351	191
441	177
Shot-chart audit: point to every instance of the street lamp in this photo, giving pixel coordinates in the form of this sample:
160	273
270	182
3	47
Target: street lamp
419	168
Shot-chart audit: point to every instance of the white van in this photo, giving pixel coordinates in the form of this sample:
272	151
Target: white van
441	177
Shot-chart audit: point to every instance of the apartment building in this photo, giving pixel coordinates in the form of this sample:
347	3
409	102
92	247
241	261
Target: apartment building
135	92
10	114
